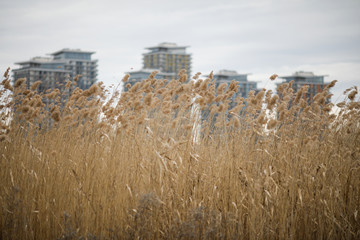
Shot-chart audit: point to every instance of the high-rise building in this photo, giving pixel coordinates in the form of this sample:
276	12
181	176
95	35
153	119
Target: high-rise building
226	76
54	70
315	82
166	58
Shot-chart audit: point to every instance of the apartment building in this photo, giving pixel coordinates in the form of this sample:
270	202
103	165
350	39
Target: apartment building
55	69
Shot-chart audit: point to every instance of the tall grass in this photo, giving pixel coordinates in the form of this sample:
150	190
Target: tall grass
169	160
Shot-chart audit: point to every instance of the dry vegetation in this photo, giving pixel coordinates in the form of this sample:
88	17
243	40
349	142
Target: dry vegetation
170	161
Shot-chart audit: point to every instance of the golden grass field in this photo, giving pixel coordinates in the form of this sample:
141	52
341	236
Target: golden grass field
171	161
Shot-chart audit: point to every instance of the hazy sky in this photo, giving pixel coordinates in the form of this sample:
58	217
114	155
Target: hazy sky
258	37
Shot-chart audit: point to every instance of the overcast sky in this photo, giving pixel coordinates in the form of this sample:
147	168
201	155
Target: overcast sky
258	37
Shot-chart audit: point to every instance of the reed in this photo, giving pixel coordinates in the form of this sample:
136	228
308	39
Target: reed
177	159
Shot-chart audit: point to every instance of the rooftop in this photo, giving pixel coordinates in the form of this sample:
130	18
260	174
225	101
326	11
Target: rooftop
38	60
225	72
167	45
149	71
303	74
68	50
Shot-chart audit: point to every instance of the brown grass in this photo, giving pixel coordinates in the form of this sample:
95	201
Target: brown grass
154	163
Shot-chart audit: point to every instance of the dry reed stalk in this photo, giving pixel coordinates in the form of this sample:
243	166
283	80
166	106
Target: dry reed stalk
150	164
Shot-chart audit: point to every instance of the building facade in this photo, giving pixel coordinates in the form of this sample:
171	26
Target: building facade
166	58
315	82
53	71
139	75
226	76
